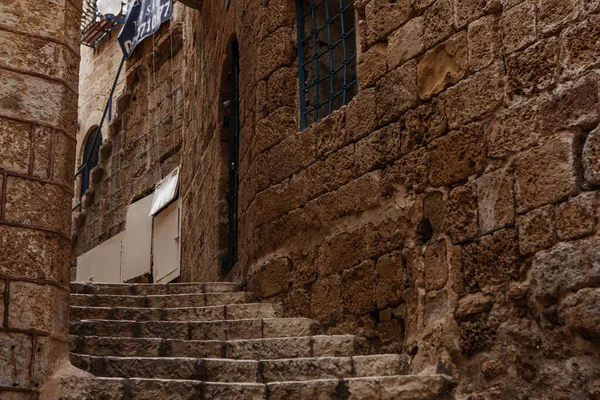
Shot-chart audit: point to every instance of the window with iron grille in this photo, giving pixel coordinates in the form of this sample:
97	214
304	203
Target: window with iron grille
326	57
91	152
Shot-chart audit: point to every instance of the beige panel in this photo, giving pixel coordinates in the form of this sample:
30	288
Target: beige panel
167	244
137	244
102	263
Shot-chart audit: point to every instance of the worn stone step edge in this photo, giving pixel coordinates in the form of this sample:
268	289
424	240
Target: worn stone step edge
407	387
204	330
161	301
207	313
153	288
242	371
254	349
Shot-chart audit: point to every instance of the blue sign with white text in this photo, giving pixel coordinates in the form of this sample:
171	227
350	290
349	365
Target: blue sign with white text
143	19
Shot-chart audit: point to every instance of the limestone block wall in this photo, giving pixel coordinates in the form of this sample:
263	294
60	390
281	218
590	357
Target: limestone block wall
39	60
142	143
449	211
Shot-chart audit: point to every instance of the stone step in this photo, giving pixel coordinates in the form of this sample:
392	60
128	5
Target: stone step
407	387
160	301
125	289
207	330
252	349
242	371
231	311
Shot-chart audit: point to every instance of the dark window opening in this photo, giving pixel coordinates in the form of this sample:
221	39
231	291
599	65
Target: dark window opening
326	57
91	153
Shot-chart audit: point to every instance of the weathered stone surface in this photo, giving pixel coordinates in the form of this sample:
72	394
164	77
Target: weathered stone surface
341	252
15	353
274	128
536	230
303	390
591	158
423	125
15	145
473	304
582	312
380	365
372	65
462	213
362	388
554	14
405	43
546	174
29	304
519	26
436	306
438	21
457	156
574	104
271	278
565	268
397	92
576	218
491	259
580	47
436	266
335	346
410	171
275	51
533	69
475	96
495	197
442	66
434	210
306	369
361	116
412	387
383	17
358	287
326	300
390	279
484	42
513	130
469	10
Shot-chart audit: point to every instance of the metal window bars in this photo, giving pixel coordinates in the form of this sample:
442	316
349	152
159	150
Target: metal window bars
326	57
94	27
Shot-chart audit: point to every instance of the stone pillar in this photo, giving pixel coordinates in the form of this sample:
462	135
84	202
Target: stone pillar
39	62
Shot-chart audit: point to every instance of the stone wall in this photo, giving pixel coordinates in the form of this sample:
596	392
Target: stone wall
449	211
39	58
142	143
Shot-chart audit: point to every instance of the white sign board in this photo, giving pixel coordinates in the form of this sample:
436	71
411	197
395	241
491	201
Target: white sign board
165	192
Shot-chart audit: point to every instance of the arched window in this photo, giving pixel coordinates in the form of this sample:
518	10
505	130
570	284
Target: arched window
91	152
326	57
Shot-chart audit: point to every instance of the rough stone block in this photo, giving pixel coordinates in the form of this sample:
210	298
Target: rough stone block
330	132
546	174
519	26
42	148
64	163
413	387
533	69
436	306
361	116
423	125
438	22
326	299
383	17
580	46
47	351
27	203
591	158
274	128
462	213
473	304
576	218
275	51
491	260
536	230
442	66
362	388
554	14
341	252
574	104
384	236
434	210
359	195
436	266
457	156
317	389
306	369
397	92
475	96
358	286
291	155
2	289
410	171
513	130
15	354
334	346
484	42
405	43
582	312
15	145
390	278
565	268
495	195
380	365
270	278
372	65
380	148
29	305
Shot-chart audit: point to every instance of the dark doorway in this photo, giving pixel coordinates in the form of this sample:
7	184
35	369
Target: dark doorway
232	125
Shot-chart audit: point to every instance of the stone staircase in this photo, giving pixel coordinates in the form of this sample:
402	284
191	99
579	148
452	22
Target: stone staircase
209	341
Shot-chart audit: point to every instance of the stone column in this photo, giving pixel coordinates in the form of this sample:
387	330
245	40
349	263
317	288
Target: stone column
39	62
